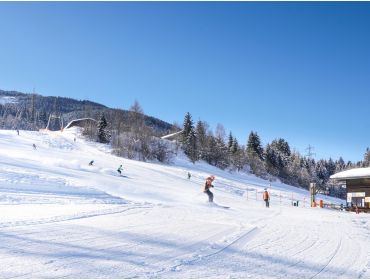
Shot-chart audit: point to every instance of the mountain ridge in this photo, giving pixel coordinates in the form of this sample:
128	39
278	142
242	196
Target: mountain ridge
31	111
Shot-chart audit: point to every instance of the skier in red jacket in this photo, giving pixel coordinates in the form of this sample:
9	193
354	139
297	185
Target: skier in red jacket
207	186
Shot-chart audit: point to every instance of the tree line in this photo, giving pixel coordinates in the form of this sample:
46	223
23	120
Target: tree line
134	135
275	160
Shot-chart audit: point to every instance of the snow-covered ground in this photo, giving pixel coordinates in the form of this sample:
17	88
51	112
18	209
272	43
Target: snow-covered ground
61	218
7	99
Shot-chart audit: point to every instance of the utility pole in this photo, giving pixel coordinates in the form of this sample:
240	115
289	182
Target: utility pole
310	150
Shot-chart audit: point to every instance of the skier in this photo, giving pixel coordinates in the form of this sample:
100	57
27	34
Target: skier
119	170
18	131
207	186
91	163
189	175
266	198
34	146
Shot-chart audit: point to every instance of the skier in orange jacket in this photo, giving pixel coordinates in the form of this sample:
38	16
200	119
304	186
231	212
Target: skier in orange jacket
266	198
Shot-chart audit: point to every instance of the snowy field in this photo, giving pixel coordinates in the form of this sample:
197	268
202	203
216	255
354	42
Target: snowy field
61	218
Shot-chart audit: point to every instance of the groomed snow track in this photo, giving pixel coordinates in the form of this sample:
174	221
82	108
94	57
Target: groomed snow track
61	218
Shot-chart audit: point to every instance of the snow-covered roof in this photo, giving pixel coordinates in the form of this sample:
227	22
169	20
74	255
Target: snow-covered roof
73	122
171	135
355	173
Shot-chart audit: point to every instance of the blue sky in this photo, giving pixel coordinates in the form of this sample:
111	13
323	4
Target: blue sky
300	71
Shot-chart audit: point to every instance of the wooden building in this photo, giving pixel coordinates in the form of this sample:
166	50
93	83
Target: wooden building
357	184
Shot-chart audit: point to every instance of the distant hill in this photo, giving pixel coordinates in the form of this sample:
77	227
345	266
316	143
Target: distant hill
31	111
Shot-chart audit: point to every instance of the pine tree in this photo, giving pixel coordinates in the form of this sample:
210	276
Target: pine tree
271	160
277	158
322	173
235	146
254	147
230	141
189	138
255	154
103	134
330	166
201	135
366	161
188	126
191	146
339	165
210	156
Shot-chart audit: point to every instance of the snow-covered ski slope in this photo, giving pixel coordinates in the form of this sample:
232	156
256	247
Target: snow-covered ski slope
61	218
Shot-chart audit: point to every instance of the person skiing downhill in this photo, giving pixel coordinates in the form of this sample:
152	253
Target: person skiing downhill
207	186
119	170
266	198
91	163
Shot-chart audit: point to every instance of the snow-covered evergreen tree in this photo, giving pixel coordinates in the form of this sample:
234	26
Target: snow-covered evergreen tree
254	146
220	151
189	138
230	141
235	146
188	126
330	166
103	133
366	161
339	165
271	160
201	134
322	173
191	146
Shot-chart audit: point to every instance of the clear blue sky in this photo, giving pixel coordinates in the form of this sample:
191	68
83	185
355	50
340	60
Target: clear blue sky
300	71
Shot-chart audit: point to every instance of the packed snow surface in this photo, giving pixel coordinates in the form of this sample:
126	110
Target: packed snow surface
61	218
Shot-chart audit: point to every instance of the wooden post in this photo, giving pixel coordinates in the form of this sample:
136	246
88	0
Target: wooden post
292	199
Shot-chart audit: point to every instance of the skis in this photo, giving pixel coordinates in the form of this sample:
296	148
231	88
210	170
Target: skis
212	204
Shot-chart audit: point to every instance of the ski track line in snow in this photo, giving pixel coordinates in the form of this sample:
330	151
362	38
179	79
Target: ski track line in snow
78	259
329	261
52	263
197	257
57	238
186	248
82	215
244	237
99	252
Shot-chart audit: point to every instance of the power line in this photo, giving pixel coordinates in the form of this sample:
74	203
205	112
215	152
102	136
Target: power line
310	150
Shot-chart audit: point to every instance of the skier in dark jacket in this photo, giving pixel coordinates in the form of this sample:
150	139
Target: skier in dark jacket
119	170
207	186
91	163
